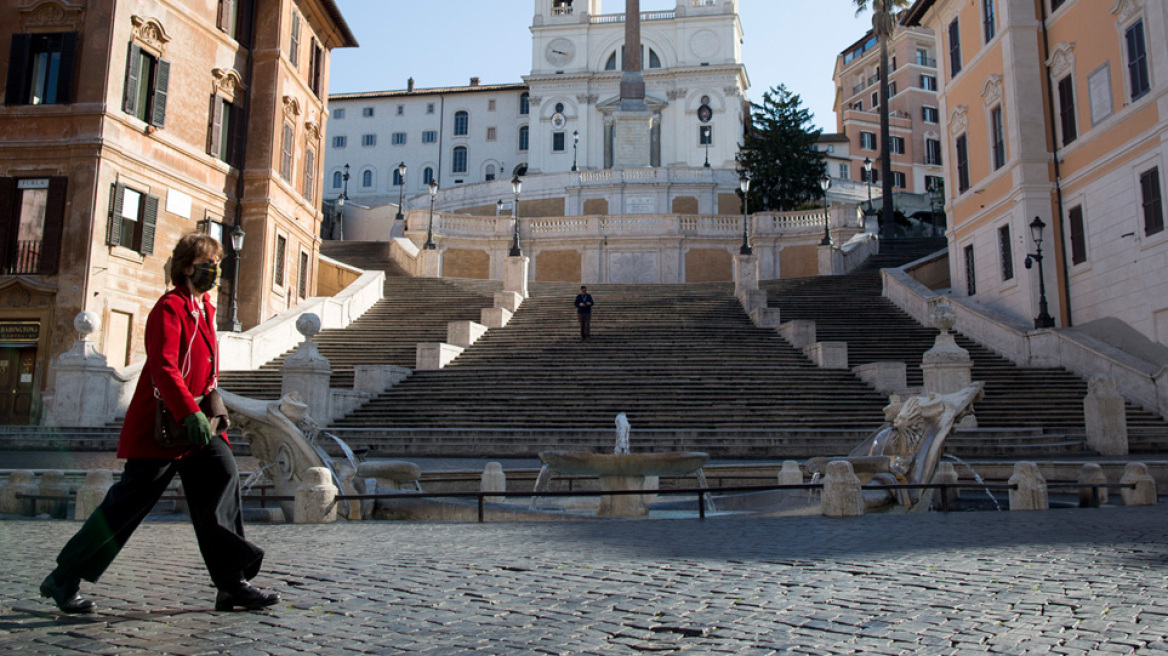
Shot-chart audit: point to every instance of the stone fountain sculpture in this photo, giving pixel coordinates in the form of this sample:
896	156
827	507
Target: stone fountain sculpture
283	438
908	448
622	470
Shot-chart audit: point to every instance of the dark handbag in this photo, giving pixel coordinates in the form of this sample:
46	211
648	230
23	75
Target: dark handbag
170	434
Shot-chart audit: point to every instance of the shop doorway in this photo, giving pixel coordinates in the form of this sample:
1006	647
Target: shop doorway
17	372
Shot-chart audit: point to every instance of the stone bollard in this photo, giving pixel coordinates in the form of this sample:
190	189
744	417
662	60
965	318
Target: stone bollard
1089	497
1031	493
947	474
316	498
493	480
1105	417
92	492
1144	493
790	474
19	482
842	496
53	483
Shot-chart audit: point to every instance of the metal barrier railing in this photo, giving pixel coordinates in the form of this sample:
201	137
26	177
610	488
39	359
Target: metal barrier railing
701	492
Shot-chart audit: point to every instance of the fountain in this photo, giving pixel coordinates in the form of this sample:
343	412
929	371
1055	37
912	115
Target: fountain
622	470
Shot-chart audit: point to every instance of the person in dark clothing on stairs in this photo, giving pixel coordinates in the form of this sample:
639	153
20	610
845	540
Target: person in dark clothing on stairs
584	313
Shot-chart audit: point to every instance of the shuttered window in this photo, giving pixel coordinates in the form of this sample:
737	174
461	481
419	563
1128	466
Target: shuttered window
133	219
40	69
1078	237
147	84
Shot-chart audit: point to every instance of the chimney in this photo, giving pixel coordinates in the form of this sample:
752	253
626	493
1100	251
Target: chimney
410	85
474	81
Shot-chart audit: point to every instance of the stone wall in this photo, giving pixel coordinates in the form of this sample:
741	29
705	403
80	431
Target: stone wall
799	261
729	204
596	206
334	276
466	263
558	266
709	265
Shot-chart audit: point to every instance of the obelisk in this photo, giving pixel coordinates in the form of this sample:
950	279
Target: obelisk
632	123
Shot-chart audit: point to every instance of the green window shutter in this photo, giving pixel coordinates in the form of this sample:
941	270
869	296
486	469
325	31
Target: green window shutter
214	143
161	82
68	62
113	230
16	93
133	71
149	225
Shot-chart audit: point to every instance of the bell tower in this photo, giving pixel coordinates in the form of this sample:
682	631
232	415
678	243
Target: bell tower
564	11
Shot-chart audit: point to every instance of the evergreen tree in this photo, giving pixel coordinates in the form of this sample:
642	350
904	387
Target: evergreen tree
780	153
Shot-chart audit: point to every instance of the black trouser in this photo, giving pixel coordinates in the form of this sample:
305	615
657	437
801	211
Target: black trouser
585	324
211	485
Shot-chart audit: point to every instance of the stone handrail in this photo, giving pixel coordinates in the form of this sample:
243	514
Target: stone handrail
849	256
249	350
1138	380
805	222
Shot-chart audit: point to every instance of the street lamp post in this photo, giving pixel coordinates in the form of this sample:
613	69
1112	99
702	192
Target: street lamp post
237	246
430	245
825	184
516	187
744	185
1043	320
706	137
575	145
341	206
401	190
499	207
868	176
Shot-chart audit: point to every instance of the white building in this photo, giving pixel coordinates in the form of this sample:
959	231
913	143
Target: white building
695	86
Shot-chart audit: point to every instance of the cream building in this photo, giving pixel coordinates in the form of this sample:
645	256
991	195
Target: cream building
1056	110
127	124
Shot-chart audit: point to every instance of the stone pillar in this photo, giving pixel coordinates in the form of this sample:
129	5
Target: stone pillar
515	276
19	482
1105	416
307	372
947	367
430	263
93	490
1092	473
493	480
842	496
828	355
799	333
790	474
745	274
464	333
884	377
316	498
432	356
86	389
53	483
1031	493
1144	494
946	474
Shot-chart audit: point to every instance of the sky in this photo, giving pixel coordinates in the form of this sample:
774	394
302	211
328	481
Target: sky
447	42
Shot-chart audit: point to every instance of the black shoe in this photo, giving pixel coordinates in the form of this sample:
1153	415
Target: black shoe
246	596
66	595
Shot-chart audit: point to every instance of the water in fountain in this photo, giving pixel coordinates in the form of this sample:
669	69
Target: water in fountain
707	500
976	477
541	485
622	434
254	478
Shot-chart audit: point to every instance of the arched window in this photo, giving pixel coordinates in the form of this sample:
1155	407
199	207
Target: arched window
367	178
490	172
461	124
458	160
654	60
610	65
337	180
524	103
427	175
397	178
524	138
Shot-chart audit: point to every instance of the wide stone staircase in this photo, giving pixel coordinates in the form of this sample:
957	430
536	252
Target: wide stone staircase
683	362
1025	410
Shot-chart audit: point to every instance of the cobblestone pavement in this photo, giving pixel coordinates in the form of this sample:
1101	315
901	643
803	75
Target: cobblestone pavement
1063	582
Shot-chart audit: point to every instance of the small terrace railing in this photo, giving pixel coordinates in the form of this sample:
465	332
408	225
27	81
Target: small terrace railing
26	259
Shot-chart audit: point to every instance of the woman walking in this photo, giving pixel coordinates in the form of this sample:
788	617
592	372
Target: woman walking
181	368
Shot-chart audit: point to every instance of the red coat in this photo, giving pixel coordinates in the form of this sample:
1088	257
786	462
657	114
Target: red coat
170	331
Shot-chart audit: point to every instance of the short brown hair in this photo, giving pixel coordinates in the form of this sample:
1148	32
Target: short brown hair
191	247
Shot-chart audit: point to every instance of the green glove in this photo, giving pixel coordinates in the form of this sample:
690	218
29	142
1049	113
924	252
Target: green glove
198	428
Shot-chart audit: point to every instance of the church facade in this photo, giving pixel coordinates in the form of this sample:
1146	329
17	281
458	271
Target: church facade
558	119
